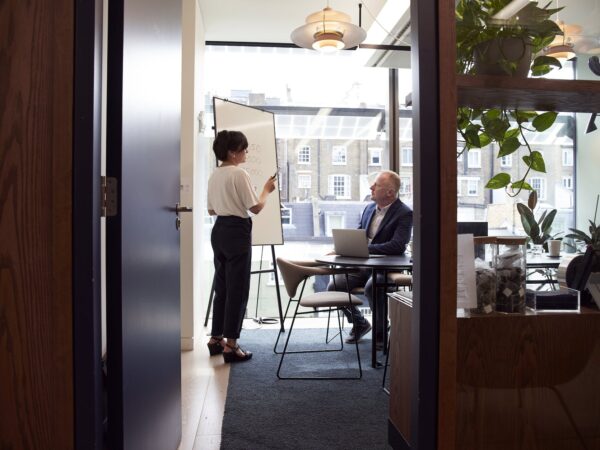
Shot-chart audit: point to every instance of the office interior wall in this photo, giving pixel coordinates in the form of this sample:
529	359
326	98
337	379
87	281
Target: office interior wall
191	106
587	159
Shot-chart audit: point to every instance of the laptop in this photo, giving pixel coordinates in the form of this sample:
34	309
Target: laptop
352	243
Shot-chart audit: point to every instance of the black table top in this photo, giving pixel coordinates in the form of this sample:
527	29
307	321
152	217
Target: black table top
405	261
384	262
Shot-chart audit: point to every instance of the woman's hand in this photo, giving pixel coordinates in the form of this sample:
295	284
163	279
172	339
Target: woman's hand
270	184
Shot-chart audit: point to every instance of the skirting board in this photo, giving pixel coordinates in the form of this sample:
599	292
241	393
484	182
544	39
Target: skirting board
187	344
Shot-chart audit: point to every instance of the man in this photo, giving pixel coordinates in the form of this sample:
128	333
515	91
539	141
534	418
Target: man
388	222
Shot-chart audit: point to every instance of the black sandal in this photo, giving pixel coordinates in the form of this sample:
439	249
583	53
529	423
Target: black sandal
215	348
234	356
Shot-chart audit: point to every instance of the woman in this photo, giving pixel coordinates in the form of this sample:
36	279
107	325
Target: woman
230	197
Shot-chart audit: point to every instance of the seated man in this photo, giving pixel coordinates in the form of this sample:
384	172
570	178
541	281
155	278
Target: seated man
388	222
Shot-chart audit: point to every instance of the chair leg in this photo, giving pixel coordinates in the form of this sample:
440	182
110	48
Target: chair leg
279	334
385	368
284	352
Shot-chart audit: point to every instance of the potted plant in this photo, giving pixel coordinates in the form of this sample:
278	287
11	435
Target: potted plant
591	240
537	230
481	36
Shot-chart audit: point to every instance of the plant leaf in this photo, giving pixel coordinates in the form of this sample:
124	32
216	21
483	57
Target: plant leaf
544	120
530	225
498	181
547	223
521	184
532	200
509	146
542	217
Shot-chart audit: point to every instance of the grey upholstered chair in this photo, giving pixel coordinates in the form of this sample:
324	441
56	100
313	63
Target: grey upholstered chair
297	273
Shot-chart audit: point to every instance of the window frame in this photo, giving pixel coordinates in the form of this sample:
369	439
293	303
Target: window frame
474	152
339	150
405	150
347	186
304	150
542	189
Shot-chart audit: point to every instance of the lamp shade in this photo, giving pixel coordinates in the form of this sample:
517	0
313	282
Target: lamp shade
562	51
328	30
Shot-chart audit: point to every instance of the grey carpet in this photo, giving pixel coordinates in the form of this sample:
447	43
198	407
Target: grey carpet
262	412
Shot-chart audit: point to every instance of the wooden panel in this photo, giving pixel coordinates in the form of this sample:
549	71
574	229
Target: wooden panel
36	391
529	93
529	382
400	370
447	239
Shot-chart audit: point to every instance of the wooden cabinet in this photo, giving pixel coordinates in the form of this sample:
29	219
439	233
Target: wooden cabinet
523	381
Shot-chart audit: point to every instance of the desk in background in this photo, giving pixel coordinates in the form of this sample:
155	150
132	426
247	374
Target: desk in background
381	265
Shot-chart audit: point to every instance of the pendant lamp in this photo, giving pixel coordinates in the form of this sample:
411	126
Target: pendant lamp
328	31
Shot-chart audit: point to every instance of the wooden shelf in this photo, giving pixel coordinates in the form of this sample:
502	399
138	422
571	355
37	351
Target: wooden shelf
537	94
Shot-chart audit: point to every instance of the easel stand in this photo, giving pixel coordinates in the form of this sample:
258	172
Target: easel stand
259	272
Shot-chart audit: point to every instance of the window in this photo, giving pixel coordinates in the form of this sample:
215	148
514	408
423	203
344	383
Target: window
567	157
338	155
339	186
286	216
405	185
459	183
375	157
304	155
334	220
304	181
472	188
474	159
539	184
506	161
271	280
406	156
567	182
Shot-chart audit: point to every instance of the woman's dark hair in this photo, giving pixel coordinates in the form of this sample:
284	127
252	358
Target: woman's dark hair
226	141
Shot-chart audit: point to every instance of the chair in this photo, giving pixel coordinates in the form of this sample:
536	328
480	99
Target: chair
324	269
294	274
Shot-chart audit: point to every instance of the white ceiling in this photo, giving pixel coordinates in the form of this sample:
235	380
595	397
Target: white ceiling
271	20
274	20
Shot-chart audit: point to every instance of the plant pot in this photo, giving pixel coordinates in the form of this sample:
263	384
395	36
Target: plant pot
489	56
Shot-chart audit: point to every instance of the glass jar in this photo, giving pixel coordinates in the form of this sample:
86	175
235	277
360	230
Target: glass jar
510	274
485	274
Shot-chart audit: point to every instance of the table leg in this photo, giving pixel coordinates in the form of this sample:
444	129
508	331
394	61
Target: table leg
374	327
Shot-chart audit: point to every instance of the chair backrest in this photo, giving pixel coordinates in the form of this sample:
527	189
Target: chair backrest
292	275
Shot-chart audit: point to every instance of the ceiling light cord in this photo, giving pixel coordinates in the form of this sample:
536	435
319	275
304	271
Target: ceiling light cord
396	38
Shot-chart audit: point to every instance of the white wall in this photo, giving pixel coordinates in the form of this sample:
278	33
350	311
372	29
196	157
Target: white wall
588	158
191	106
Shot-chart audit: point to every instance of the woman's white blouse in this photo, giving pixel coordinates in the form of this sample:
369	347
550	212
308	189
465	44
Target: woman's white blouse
230	192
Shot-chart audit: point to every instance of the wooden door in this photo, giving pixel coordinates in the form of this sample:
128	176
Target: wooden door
143	309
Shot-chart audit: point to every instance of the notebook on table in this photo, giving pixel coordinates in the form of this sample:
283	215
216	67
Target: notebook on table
351	243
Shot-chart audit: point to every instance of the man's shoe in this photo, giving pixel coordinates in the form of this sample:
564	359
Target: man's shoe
358	331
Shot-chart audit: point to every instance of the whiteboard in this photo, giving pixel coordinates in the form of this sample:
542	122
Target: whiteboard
261	162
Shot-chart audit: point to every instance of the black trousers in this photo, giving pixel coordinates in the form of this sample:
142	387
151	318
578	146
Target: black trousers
231	241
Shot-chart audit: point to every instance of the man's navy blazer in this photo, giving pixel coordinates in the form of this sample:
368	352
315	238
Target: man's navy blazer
394	231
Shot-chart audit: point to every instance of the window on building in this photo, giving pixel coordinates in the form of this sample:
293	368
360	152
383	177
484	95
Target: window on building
472	187
375	156
539	184
567	182
286	216
338	155
405	185
474	159
339	186
567	157
304	155
459	183
334	220
506	161
406	156
304	181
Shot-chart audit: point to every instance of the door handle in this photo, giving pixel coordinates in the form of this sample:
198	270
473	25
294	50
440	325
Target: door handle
180	209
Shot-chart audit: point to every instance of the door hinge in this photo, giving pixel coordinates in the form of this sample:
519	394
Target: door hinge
108	200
